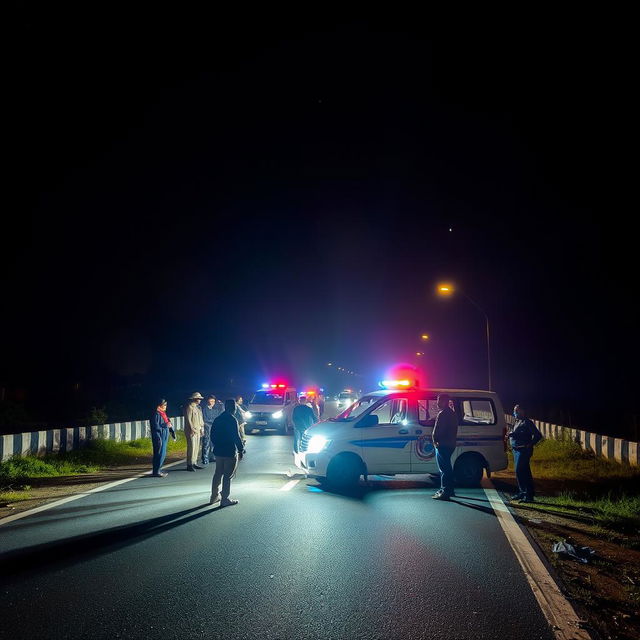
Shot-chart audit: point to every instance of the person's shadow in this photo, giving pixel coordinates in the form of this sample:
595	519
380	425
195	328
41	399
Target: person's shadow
78	548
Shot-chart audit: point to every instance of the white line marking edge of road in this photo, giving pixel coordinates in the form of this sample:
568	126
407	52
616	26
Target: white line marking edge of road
558	611
77	496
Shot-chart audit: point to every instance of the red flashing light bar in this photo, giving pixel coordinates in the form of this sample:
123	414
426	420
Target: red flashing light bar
398	384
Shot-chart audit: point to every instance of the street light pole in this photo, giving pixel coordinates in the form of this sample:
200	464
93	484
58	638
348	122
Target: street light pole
486	318
448	290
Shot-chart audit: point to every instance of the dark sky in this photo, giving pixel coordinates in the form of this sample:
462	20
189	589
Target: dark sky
198	197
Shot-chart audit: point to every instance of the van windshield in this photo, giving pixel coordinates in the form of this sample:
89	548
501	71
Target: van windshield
357	409
267	397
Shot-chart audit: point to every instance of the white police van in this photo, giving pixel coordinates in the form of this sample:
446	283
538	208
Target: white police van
388	432
271	408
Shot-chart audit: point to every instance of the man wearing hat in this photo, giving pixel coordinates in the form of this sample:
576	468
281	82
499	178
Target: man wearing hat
193	429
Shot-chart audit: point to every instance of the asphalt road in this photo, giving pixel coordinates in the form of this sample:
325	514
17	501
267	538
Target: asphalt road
151	559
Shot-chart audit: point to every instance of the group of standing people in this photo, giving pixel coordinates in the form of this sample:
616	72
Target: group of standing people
215	432
523	436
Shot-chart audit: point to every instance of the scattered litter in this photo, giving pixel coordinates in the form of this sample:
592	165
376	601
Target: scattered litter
582	554
534	521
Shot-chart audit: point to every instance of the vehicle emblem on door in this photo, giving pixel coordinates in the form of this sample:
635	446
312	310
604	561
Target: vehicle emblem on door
424	448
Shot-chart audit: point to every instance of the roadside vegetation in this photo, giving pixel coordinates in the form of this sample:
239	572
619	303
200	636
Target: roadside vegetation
578	484
16	472
591	502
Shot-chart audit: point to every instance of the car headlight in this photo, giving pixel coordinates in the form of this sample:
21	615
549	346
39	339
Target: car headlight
277	415
317	444
248	415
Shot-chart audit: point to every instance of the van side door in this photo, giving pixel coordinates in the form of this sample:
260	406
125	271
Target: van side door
423	453
386	447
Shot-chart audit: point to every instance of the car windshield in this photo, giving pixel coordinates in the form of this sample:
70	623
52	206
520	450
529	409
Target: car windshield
267	397
345	396
357	408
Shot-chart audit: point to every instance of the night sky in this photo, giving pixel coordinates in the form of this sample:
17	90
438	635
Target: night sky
198	199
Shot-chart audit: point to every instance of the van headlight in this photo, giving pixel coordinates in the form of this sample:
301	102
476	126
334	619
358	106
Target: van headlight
277	415
248	415
317	444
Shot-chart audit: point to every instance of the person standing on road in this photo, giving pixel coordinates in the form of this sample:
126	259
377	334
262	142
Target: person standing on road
240	417
160	426
320	404
193	429
445	435
523	436
210	411
312	402
302	417
228	448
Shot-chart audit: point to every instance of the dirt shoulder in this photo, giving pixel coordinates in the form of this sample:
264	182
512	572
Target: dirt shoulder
605	591
44	490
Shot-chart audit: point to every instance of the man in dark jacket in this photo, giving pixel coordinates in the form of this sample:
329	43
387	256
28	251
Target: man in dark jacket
302	417
445	435
523	437
210	411
228	449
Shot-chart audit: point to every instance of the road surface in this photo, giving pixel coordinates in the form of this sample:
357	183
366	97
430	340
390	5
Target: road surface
151	559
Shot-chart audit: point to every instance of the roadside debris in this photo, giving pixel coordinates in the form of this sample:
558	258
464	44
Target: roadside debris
582	554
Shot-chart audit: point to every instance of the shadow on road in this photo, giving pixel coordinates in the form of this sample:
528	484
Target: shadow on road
72	550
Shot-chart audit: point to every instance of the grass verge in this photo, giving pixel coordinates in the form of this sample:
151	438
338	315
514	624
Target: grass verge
592	502
97	455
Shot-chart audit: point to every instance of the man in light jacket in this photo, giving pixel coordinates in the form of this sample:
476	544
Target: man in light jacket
193	430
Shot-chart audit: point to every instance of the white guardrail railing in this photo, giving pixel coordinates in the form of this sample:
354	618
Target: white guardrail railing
61	440
37	443
617	449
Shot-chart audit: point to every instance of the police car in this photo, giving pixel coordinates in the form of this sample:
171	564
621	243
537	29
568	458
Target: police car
388	432
271	408
346	398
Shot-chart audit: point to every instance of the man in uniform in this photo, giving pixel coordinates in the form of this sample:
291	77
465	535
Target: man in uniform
193	430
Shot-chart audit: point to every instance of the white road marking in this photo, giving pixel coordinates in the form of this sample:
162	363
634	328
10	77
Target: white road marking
289	485
77	496
556	608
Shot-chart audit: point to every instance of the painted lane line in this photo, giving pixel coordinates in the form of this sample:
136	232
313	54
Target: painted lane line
289	485
77	496
558	611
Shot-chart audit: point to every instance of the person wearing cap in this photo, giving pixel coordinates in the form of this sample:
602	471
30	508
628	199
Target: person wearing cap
160	427
193	430
228	448
210	411
444	436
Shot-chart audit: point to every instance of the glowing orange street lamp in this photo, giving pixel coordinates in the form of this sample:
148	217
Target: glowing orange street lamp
447	289
425	337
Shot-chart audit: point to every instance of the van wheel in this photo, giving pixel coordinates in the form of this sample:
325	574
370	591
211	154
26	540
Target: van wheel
344	471
468	470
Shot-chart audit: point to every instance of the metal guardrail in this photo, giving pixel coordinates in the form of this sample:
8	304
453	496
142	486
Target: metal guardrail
616	449
63	440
